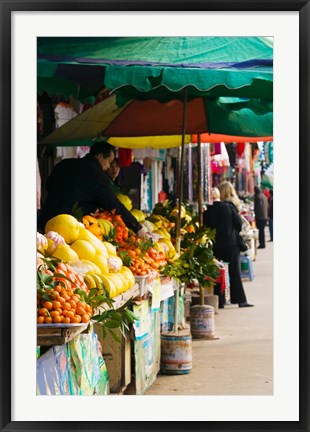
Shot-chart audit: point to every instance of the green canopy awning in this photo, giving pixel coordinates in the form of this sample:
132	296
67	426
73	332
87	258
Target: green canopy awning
228	81
208	66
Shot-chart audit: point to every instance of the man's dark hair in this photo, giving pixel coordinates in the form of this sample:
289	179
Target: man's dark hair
102	147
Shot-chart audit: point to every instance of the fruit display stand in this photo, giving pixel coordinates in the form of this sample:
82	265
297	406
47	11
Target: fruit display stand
133	364
59	334
75	367
72	362
117	355
146	347
147	332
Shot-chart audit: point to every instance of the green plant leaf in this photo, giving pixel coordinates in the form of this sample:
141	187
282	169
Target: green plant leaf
116	316
100	318
46	297
126	258
92	293
50	263
112	324
59	275
104	332
130	316
81	293
115	337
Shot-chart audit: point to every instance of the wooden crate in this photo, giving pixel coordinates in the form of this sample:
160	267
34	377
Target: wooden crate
58	334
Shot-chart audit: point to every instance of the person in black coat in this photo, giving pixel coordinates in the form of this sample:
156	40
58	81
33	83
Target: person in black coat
261	215
270	214
83	182
224	217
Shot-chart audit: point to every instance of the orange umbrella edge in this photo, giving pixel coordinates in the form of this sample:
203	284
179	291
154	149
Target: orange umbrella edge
212	138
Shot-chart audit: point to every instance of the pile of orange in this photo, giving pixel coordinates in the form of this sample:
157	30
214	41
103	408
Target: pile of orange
142	263
64	305
91	224
121	231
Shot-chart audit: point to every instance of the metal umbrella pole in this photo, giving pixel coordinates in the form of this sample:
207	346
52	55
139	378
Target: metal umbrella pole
199	190
199	180
180	195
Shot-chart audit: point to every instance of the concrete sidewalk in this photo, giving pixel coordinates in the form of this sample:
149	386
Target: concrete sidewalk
240	362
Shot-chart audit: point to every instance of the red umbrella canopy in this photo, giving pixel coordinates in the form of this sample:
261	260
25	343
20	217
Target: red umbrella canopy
154	118
119	117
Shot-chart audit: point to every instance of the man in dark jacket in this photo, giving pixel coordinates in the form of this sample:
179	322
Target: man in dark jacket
261	215
83	183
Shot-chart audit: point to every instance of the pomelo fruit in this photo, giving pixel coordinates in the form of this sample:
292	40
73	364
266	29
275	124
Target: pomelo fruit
65	253
138	214
65	225
85	234
118	282
110	248
88	267
126	282
109	285
128	274
101	261
84	249
125	200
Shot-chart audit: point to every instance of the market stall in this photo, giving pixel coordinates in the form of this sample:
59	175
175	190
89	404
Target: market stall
166	109
101	296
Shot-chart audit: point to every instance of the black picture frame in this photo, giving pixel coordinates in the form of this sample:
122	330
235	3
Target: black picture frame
7	7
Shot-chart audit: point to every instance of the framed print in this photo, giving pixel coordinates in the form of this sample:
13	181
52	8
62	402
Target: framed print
287	22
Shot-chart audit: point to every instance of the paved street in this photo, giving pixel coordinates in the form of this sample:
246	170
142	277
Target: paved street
240	362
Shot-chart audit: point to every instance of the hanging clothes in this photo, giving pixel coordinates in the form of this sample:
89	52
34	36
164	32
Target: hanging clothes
240	149
124	157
